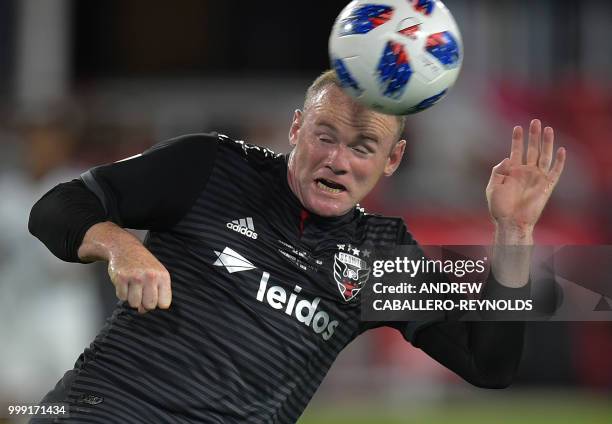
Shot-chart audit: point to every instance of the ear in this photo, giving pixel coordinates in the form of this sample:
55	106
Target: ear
395	157
296	124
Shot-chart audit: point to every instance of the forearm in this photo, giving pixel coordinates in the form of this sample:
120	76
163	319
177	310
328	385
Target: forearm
512	255
485	354
104	240
492	350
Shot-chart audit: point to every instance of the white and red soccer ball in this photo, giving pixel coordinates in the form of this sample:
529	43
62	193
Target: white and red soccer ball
396	56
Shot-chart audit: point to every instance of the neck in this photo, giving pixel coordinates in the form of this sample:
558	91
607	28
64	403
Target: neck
291	175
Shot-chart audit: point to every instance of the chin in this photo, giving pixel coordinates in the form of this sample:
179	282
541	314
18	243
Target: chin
328	213
329	209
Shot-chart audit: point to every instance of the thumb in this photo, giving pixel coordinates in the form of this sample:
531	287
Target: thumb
499	172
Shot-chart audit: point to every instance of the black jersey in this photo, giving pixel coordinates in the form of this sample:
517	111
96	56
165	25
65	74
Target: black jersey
257	317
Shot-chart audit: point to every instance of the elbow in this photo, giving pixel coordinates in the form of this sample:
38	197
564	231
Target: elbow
62	216
35	220
498	377
493	381
42	221
497	370
38	215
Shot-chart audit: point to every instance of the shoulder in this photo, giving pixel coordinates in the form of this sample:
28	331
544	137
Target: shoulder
199	141
390	230
193	147
255	155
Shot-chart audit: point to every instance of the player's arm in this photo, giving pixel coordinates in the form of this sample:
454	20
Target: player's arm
83	220
487	354
484	353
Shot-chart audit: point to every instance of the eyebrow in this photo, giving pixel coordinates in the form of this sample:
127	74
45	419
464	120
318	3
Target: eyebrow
368	138
363	138
326	124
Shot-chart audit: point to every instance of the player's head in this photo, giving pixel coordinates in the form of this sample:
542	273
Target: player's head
340	148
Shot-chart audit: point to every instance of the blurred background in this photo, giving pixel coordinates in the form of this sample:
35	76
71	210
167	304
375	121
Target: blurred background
84	83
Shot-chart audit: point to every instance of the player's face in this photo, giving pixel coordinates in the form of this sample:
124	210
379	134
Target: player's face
341	149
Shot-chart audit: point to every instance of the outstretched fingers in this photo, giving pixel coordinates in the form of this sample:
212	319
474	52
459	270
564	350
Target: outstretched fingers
533	142
559	164
540	148
516	151
546	153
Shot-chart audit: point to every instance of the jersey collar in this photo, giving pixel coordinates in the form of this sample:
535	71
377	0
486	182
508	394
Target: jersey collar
296	209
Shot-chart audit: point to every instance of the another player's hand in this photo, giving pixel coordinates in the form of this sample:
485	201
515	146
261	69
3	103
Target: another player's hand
520	186
139	278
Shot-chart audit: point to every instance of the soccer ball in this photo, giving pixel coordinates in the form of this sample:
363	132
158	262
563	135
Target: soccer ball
396	56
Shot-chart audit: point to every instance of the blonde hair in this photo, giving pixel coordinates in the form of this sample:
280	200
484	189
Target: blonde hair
329	77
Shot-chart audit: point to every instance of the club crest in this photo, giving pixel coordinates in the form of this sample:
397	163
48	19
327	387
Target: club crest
350	272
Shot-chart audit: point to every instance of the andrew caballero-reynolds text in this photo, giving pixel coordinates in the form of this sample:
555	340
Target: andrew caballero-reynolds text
426	286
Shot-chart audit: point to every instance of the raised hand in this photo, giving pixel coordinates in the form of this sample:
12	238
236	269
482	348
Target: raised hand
521	185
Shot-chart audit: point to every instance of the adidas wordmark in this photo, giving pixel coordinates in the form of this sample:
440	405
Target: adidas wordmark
243	226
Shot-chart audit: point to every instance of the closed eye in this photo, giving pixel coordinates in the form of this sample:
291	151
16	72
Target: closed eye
362	150
365	147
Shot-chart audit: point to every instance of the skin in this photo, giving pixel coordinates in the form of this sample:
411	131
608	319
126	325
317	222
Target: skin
517	193
340	141
138	276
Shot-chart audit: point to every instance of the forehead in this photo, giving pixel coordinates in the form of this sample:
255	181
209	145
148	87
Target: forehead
332	105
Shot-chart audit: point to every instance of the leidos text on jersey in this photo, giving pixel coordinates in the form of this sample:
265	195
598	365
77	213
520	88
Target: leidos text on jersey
304	311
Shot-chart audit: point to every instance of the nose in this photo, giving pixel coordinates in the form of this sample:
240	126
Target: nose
337	159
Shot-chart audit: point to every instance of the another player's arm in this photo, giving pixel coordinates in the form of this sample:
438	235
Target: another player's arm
82	220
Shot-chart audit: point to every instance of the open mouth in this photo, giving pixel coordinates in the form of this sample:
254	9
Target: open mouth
329	186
